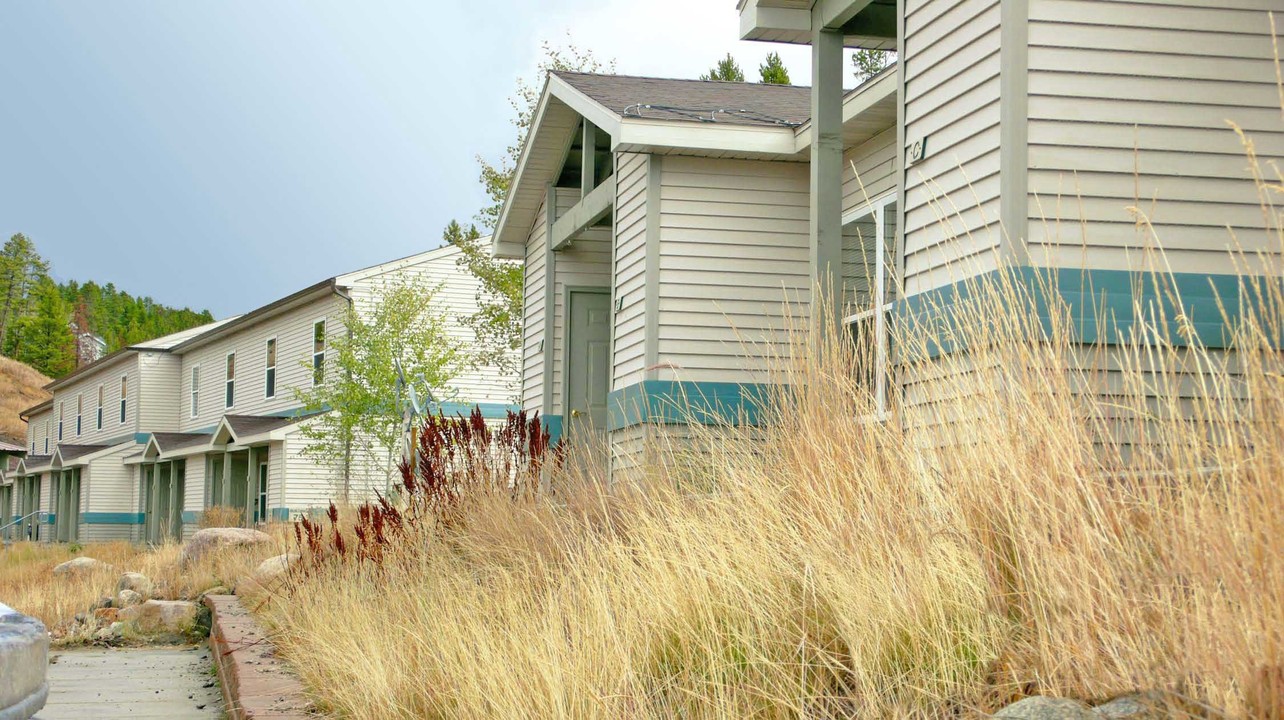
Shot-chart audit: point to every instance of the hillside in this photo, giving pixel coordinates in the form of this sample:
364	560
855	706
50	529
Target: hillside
20	388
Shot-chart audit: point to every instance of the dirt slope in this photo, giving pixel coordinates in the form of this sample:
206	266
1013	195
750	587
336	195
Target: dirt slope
20	388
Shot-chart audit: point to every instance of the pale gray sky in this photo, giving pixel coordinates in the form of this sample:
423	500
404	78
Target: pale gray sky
223	153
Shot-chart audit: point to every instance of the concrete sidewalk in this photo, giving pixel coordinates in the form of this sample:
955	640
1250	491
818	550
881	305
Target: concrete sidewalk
174	683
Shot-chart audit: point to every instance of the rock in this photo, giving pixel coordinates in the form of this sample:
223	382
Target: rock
274	566
1046	708
79	565
216	590
128	598
24	655
163	618
103	602
106	616
1137	706
137	582
216	539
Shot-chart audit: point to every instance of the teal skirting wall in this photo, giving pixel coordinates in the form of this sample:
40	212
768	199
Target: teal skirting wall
111	518
683	402
190	516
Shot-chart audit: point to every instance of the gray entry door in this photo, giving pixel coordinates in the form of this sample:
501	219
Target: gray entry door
588	361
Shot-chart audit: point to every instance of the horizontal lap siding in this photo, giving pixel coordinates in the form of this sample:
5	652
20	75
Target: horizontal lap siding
630	269
307	484
87	388
456	301
733	252
158	392
194	492
108	485
1129	106
36	425
628	460
533	285
293	332
951	99
869	170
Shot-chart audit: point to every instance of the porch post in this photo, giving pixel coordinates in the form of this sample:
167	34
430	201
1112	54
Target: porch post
588	160
249	492
226	498
174	511
153	496
827	163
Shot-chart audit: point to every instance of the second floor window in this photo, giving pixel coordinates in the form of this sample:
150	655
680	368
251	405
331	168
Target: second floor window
269	374
124	395
100	407
318	352
62	410
229	398
196	389
80	410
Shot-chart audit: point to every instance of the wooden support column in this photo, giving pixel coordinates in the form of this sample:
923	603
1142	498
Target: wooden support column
827	164
249	490
226	498
588	160
175	512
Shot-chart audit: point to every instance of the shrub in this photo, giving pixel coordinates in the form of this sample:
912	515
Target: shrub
219	516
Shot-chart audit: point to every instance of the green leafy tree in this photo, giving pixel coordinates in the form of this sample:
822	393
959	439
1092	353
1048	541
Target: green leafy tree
773	71
498	321
43	338
868	63
363	427
727	70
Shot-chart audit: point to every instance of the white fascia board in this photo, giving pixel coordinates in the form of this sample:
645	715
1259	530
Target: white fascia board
605	120
499	247
774	23
355	276
764	140
854	105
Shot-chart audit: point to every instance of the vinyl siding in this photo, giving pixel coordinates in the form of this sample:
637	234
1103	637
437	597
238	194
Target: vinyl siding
628	447
308	485
293	332
733	252
533	286
193	492
629	354
36	431
158	399
108	485
113	429
455	301
951	99
869	170
1129	106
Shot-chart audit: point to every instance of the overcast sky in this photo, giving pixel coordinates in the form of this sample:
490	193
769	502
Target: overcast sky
222	153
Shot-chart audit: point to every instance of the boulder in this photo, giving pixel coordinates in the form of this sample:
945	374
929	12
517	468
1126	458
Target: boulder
79	565
24	655
128	598
211	540
1139	706
162	618
137	582
275	566
1046	708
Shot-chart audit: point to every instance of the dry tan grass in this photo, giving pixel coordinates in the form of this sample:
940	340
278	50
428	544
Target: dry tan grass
27	582
21	387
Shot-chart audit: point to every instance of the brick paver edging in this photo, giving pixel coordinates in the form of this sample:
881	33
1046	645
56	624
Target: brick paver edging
256	683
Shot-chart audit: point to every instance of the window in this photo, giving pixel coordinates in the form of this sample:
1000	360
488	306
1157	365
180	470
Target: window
46	437
229	398
869	287
269	373
80	410
196	389
124	394
100	407
318	352
62	410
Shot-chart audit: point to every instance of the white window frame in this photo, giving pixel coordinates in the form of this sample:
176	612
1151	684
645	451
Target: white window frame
124	399
229	383
878	209
46	437
62	411
80	412
194	392
271	356
98	416
325	347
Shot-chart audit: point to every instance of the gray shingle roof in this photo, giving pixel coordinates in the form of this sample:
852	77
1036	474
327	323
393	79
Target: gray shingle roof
168	441
71	452
731	103
248	425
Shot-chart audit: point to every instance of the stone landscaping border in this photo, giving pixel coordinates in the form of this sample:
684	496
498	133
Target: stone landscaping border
24	655
256	683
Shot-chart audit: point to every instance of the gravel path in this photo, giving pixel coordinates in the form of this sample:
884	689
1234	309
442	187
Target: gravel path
132	682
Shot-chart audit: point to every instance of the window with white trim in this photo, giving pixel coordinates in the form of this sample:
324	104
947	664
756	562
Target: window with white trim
229	394
869	289
80	412
318	352
99	413
46	437
124	396
269	370
62	410
196	389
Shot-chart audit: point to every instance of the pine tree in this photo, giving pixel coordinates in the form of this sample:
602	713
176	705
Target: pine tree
45	341
727	70
773	71
21	268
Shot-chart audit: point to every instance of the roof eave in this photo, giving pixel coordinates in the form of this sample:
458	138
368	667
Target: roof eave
325	287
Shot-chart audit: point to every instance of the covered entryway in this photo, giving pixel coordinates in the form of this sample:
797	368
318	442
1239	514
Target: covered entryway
162	498
28	506
6	512
65	494
238	480
588	360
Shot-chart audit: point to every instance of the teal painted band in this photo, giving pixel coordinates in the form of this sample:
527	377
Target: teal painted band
111	518
190	516
490	411
552	423
49	519
281	514
681	402
141	438
1102	305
